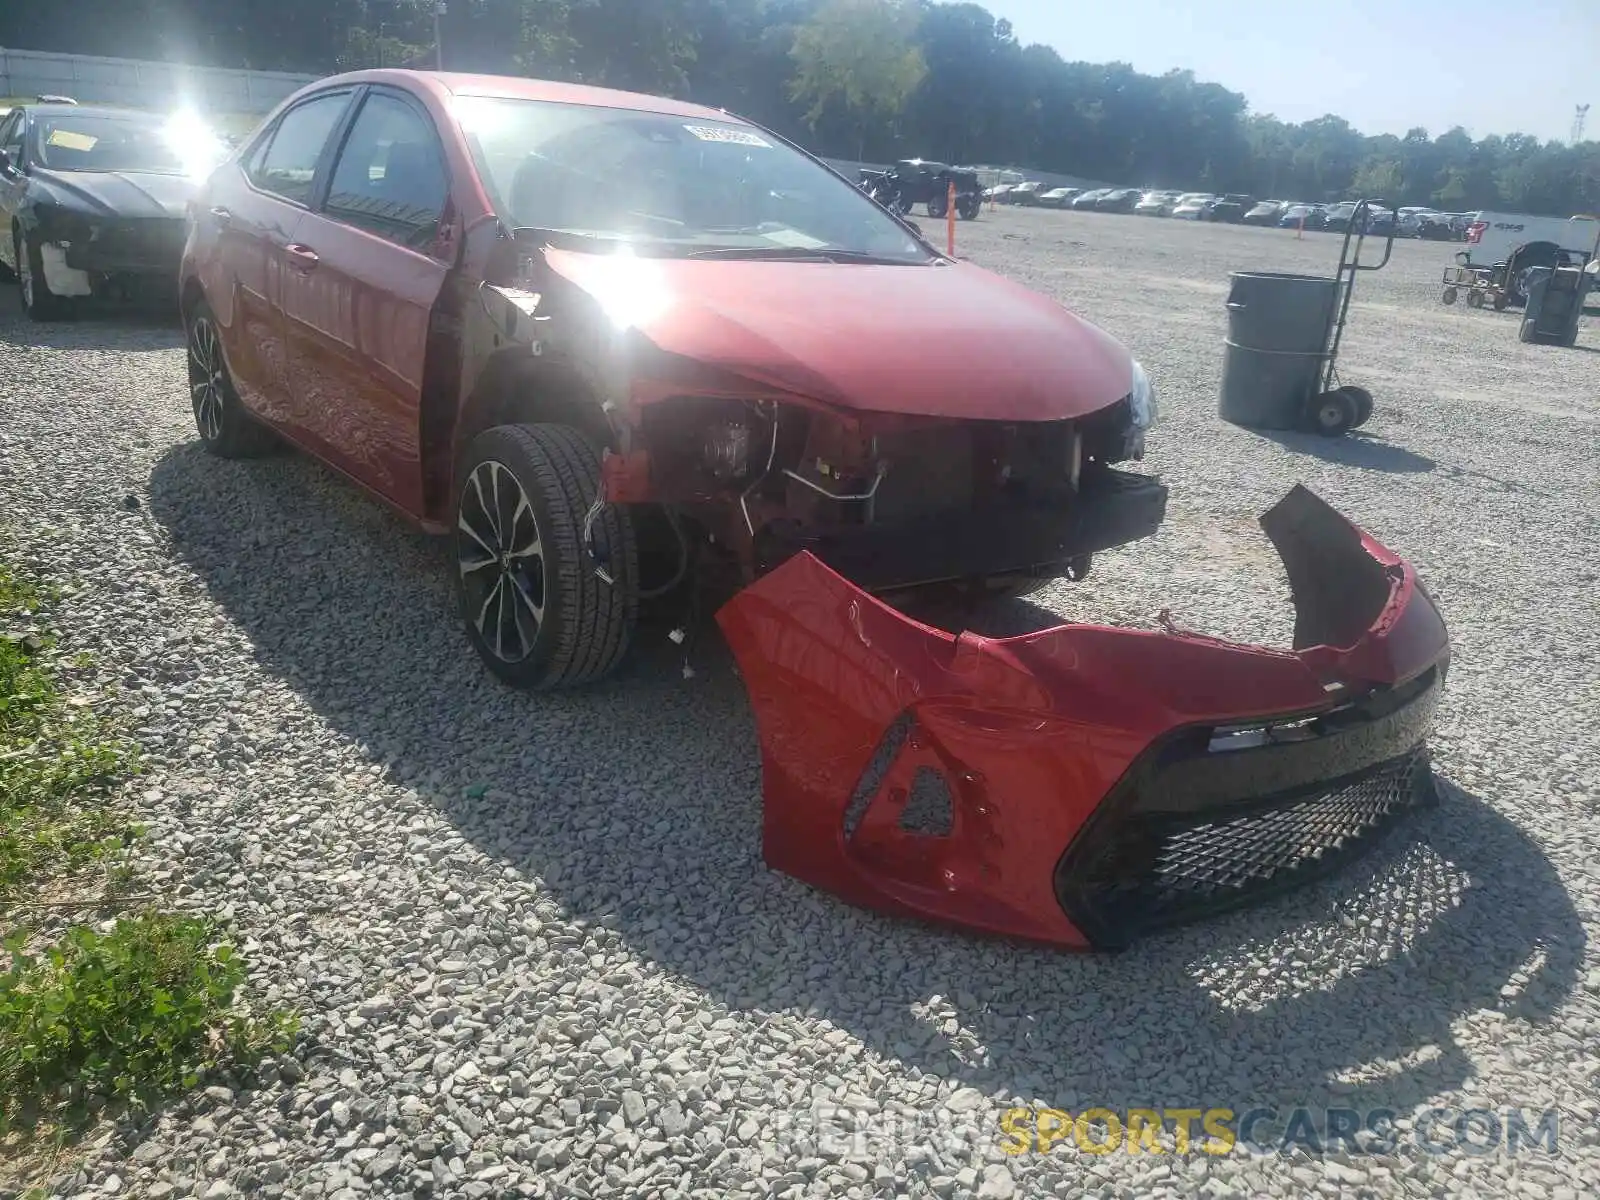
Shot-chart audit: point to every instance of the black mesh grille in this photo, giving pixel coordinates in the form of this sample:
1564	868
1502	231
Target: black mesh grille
1158	870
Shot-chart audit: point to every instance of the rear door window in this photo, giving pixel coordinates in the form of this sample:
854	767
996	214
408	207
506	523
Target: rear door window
286	164
390	178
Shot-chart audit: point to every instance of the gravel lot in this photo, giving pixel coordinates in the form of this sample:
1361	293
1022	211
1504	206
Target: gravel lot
535	945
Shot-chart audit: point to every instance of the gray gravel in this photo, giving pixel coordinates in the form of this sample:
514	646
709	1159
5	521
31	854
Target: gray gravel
533	939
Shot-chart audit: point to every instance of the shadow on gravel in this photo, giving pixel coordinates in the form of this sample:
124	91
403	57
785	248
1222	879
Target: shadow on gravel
122	328
637	805
1354	449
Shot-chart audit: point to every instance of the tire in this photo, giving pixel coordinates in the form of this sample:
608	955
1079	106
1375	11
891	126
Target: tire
531	602
1501	301
1450	295
968	210
1020	587
1333	413
1363	403
226	429
1474	299
37	299
938	209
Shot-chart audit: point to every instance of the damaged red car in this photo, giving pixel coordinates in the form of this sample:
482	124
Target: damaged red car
619	347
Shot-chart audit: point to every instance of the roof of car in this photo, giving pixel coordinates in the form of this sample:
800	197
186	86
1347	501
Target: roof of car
510	87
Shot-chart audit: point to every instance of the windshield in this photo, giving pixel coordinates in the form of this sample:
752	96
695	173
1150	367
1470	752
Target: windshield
125	142
669	185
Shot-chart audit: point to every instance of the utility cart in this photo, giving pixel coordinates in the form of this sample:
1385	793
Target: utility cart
1280	366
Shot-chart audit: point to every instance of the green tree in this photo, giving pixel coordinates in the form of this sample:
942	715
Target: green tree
1378	178
857	56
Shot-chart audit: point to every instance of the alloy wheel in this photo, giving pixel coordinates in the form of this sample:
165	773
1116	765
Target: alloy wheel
501	558
206	378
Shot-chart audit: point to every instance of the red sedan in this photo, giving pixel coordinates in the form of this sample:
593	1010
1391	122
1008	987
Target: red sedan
621	348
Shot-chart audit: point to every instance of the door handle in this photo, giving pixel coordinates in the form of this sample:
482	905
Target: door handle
302	258
222	216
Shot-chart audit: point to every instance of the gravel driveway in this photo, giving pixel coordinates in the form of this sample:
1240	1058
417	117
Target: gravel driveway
536	947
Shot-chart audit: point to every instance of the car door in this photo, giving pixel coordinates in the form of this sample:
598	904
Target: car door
364	272
244	224
13	183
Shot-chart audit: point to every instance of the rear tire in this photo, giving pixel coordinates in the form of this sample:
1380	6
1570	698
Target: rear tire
533	606
1363	402
1474	299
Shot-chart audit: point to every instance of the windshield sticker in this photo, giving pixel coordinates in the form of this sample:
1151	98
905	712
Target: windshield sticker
733	137
69	139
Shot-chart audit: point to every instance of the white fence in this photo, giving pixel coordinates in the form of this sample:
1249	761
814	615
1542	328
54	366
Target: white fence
143	84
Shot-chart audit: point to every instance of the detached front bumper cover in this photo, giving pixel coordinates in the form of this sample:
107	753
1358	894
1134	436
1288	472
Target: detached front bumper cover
1085	785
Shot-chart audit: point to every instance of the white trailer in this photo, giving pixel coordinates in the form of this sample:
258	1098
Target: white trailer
1492	236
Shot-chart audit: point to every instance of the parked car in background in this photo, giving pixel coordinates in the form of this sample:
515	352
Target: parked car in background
1193	206
1410	220
1314	216
913	181
1156	204
93	201
1027	194
1000	193
1118	200
1265	212
1230	208
1087	200
1058	197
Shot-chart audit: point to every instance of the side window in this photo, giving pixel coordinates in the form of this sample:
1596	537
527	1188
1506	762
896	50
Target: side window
390	178
286	163
11	138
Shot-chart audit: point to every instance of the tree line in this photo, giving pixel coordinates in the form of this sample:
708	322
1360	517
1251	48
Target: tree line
866	79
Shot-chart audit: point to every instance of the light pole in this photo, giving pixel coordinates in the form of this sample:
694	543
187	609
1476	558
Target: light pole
438	38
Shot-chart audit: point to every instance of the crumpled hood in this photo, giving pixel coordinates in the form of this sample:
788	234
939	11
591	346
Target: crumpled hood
943	341
120	193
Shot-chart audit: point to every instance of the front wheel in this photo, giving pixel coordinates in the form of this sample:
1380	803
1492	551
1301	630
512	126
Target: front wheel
546	602
225	428
38	301
968	210
1333	413
1450	295
937	209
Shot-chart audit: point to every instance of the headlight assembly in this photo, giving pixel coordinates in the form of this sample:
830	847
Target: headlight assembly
1142	406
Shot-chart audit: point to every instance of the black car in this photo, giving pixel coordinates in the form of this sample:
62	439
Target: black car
93	201
1120	200
1267	212
914	181
1231	208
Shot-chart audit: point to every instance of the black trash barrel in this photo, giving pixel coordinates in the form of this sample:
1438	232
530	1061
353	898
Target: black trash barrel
1278	329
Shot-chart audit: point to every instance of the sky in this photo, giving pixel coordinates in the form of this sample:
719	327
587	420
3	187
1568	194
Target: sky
1386	66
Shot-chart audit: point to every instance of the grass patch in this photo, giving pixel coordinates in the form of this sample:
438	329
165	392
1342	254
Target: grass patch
124	1012
58	761
132	1014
